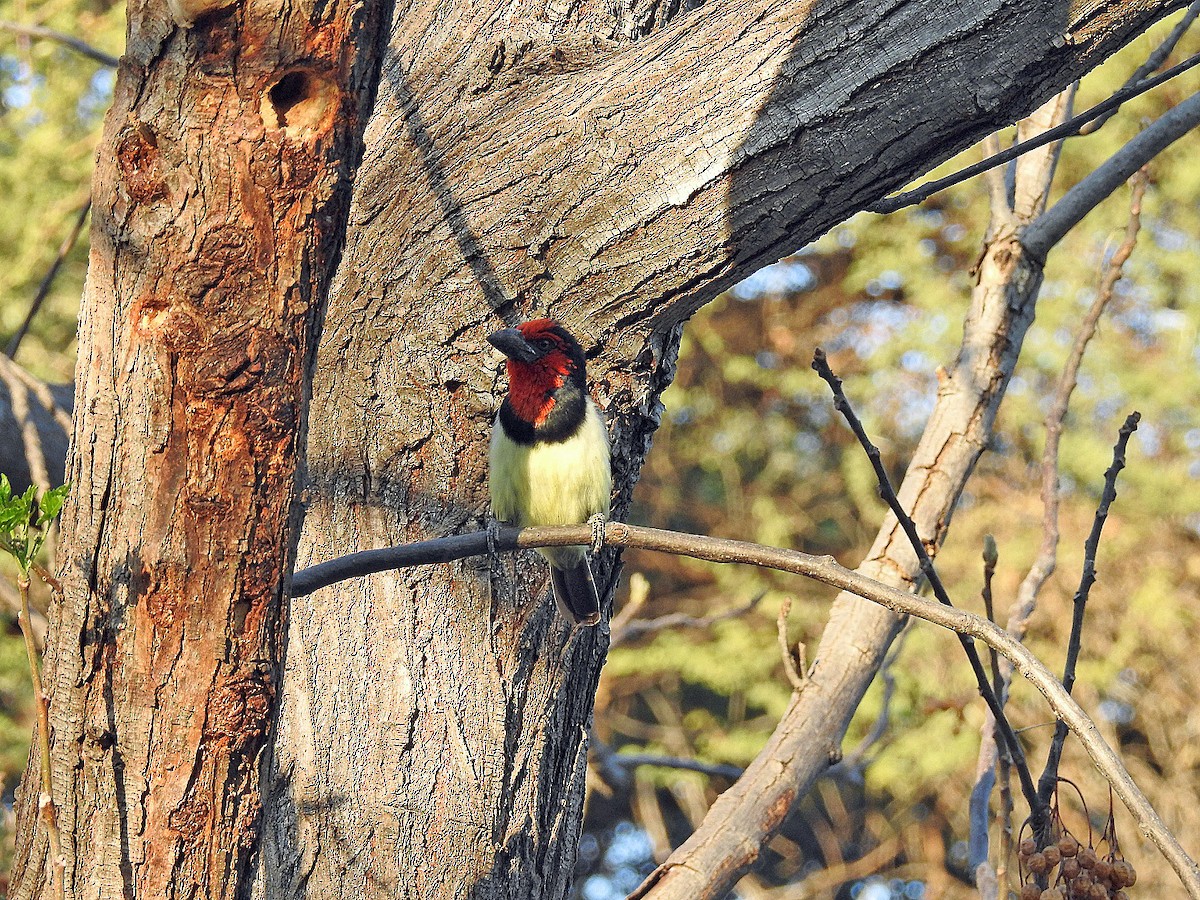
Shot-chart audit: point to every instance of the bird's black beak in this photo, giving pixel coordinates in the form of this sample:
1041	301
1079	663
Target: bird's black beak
512	344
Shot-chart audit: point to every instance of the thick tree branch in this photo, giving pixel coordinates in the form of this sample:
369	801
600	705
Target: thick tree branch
820	568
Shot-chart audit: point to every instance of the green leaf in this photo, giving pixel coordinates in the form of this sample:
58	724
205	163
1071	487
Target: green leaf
52	503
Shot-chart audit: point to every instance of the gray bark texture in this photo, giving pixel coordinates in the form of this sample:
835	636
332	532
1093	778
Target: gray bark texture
615	171
614	165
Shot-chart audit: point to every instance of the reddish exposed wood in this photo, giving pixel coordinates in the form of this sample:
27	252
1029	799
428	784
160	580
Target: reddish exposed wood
221	196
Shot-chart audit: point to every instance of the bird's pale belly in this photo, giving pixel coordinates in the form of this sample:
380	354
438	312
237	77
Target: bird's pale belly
563	483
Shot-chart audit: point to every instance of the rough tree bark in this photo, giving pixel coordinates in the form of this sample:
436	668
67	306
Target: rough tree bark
221	196
616	166
616	170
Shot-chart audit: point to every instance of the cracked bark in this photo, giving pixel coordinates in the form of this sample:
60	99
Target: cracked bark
209	265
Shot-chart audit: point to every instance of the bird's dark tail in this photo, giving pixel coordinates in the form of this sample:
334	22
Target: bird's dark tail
575	590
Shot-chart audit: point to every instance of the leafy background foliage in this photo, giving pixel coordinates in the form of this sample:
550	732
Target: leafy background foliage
750	448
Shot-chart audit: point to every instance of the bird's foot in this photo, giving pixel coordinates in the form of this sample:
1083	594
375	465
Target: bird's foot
597	522
492	529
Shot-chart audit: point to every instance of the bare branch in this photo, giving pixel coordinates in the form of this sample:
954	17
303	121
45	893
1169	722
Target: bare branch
1047	557
1066	129
623	632
794	669
639	593
1049	229
74	43
989	752
1091	546
821	568
991	556
48	279
1153	61
615	767
1033	172
842	404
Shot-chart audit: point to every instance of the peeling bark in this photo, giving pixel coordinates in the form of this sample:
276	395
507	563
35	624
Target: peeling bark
221	195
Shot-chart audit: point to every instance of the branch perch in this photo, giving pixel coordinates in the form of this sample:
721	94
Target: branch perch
820	568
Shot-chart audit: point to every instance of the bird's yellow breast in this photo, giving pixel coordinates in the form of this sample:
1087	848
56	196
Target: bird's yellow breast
565	483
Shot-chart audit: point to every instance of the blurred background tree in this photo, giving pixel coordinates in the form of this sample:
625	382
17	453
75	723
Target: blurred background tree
750	448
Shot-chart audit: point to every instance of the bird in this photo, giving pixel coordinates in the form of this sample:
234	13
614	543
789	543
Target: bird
549	460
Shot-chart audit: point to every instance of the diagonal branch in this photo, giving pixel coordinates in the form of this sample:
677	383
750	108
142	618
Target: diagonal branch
1066	129
1081	199
48	279
74	43
1153	61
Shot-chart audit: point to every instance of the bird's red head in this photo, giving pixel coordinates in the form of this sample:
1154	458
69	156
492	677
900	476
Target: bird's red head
542	358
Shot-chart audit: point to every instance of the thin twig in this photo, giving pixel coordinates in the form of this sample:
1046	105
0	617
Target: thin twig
989	749
820	568
842	405
715	770
795	669
48	279
1153	61
989	752
1066	129
639	593
56	862
622	632
39	31
991	556
1088	577
1047	558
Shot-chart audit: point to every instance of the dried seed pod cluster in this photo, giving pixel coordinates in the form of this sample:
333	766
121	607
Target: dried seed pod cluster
1073	871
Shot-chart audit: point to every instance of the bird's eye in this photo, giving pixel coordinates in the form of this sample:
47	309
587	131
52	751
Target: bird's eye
544	344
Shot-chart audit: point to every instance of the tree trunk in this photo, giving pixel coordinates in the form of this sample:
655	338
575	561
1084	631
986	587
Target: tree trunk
431	740
220	203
